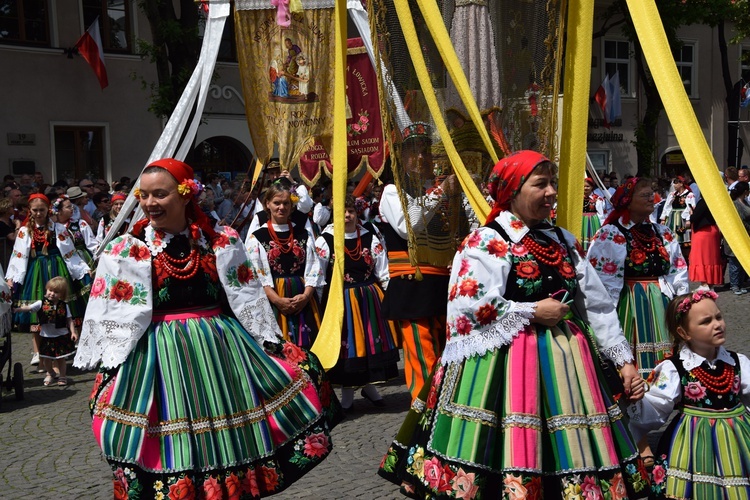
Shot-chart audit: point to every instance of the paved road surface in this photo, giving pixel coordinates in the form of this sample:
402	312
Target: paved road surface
47	450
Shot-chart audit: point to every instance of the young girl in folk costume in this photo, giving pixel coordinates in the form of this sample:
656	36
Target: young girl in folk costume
369	350
43	250
118	200
705	451
83	235
519	405
284	252
56	329
213	403
593	212
679	200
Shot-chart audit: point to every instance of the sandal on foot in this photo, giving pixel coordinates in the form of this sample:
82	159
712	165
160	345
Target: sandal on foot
62	381
48	380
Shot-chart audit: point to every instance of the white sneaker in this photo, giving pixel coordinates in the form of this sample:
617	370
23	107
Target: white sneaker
35	359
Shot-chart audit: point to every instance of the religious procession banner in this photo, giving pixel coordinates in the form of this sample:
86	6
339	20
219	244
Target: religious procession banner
287	70
366	144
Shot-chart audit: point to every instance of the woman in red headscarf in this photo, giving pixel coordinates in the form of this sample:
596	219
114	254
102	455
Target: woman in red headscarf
679	200
193	368
44	249
641	265
518	404
105	223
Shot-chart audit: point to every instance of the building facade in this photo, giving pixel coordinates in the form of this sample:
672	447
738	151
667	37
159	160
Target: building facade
57	120
698	61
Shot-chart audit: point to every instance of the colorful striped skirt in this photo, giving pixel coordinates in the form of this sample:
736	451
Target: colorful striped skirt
41	269
300	328
677	225
369	350
707	455
590	225
533	419
642	312
199	407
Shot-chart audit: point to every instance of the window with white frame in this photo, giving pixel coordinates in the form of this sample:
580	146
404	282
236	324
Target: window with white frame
599	160
114	22
685	58
25	22
617	60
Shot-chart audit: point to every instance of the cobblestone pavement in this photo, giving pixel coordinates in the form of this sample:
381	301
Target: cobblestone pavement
47	450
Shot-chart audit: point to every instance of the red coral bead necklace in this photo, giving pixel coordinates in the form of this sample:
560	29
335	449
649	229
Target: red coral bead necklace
550	256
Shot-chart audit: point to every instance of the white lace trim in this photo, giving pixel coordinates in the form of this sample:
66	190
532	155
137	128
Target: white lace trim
562	422
524	420
691	360
705	478
502	332
259	321
154	248
108	341
620	354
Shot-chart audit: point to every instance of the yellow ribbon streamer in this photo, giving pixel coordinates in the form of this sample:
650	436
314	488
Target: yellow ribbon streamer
580	25
477	201
327	344
689	135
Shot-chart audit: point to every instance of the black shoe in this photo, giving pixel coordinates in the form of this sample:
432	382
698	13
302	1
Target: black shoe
377	402
347	409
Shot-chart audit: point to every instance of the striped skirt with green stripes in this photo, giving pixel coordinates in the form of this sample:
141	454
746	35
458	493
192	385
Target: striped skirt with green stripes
369	351
642	313
199	405
301	328
533	419
708	454
590	225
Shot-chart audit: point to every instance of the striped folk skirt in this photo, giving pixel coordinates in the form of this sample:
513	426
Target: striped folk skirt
199	407
41	269
369	350
301	328
677	225
590	225
531	420
707	455
642	312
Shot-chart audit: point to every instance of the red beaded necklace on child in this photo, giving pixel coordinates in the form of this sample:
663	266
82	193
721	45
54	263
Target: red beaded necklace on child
355	254
720	384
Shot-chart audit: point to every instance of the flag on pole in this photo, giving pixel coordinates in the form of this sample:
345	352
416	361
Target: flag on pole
90	47
614	98
602	98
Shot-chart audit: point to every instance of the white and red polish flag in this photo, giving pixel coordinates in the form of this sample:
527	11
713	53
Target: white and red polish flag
90	47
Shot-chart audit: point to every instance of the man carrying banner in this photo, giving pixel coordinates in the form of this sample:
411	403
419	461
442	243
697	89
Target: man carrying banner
417	295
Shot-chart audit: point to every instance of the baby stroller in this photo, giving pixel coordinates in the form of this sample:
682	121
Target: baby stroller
16	381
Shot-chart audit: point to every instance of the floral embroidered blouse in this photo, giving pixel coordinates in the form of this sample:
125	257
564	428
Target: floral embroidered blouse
373	266
594	204
669	388
272	262
614	257
82	234
121	304
495	283
680	201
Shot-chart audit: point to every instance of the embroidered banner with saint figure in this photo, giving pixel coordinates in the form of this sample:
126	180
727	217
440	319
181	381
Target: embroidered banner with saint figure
287	77
364	127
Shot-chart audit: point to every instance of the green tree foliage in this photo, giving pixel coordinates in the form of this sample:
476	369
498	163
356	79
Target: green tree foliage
674	14
174	49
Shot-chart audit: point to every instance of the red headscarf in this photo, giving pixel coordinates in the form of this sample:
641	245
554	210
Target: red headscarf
508	176
182	172
118	196
621	201
39	196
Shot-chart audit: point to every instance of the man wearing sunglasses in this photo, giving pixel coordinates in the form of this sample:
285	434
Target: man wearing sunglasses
87	186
